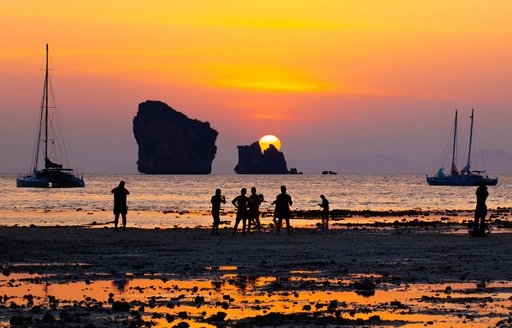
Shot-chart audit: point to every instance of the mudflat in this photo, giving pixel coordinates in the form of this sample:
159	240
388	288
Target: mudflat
409	254
76	277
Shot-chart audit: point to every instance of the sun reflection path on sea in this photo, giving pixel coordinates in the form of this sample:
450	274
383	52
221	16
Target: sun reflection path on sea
226	296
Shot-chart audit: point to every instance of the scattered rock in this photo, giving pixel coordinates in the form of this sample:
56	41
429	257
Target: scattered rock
121	306
181	325
48	318
218	317
19	320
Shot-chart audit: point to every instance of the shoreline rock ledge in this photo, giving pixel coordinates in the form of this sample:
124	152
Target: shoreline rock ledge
170	142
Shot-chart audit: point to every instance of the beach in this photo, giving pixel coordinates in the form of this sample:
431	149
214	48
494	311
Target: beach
410	255
397	253
352	261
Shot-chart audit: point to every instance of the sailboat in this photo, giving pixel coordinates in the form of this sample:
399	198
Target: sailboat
465	177
53	174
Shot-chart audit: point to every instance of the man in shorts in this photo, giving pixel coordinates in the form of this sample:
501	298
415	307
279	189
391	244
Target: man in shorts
254	203
240	203
282	211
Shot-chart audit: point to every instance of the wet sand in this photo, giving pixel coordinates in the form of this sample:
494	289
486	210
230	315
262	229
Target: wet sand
405	255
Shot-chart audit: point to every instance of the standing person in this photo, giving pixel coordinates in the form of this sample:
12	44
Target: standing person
325	212
480	211
120	207
282	211
216	200
254	203
240	202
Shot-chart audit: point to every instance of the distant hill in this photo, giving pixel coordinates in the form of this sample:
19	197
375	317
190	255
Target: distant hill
371	164
494	161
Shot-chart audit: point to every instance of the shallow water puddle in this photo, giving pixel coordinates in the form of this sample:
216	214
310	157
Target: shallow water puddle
227	298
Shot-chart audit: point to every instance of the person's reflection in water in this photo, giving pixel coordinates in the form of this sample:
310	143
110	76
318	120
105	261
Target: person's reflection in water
120	284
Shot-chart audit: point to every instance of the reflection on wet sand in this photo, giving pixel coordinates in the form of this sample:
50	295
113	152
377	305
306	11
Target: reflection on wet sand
227	297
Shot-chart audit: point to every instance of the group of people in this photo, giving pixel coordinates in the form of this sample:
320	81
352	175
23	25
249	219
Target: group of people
248	209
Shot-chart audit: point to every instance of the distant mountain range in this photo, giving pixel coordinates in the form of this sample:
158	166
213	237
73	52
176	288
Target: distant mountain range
493	161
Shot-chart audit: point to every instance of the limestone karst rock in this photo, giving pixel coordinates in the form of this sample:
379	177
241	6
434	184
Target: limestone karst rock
170	142
252	161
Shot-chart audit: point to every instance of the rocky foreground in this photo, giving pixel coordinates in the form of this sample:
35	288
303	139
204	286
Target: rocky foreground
183	277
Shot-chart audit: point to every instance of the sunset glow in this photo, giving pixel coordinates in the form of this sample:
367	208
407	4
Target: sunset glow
268	140
354	76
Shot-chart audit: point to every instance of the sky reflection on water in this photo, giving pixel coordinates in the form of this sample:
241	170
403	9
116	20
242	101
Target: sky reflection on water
241	296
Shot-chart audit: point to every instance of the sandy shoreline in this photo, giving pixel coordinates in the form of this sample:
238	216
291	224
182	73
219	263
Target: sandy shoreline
403	253
448	219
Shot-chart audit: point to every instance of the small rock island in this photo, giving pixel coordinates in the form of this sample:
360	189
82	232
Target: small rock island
170	142
251	160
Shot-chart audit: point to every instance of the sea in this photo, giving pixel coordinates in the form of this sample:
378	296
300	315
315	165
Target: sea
184	200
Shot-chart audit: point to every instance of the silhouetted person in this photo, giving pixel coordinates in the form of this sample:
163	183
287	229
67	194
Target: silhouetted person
480	211
325	212
216	200
254	203
120	207
240	203
282	211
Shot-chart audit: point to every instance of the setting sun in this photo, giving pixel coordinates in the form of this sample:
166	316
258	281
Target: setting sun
268	140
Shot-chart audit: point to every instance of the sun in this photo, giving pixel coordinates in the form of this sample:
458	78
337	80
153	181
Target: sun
268	140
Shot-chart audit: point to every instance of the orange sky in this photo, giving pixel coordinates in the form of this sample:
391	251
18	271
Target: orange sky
329	77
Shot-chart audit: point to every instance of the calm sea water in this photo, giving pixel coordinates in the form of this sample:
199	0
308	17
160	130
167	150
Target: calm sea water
192	193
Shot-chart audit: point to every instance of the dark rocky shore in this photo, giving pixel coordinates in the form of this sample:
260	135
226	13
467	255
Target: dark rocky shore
307	262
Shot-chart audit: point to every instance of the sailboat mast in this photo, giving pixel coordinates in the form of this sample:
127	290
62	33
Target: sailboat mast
470	139
454	168
46	108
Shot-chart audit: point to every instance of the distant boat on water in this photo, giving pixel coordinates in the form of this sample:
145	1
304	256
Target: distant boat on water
53	174
329	172
465	177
